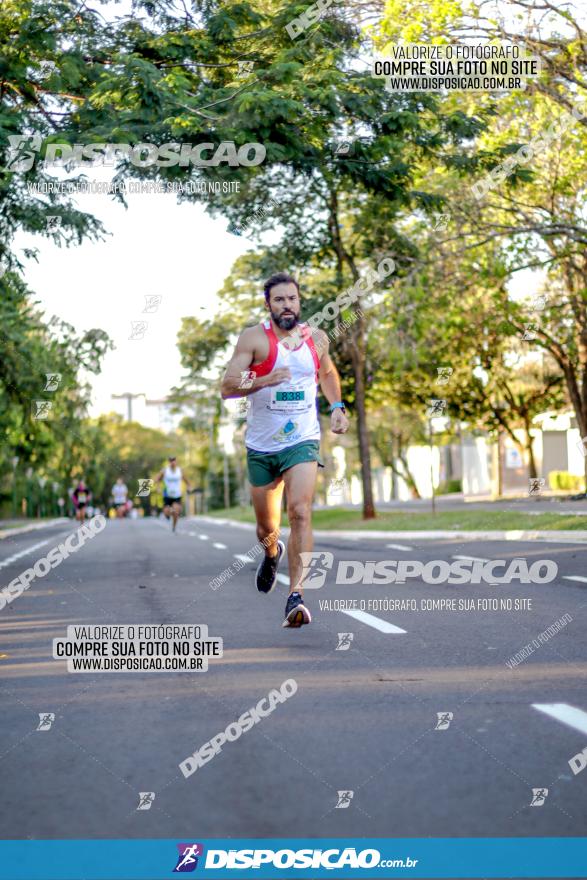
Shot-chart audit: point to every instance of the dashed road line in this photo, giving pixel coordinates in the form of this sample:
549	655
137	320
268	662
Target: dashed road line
242	557
219	546
569	715
203	537
10	559
283	579
376	622
399	547
575	577
471	558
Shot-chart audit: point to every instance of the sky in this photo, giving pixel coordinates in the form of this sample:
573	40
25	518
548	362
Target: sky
157	248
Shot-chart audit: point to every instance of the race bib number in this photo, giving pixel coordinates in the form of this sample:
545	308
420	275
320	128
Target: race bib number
288	399
81	497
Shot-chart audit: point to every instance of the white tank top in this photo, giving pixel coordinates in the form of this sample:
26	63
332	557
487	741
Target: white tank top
172	482
119	493
285	414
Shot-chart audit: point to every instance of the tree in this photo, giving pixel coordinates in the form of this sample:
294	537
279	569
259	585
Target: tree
534	208
173	76
43	402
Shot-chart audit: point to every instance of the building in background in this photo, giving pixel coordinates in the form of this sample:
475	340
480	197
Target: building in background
152	413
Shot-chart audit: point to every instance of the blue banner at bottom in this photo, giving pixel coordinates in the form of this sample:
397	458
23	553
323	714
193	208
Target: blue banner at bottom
304	858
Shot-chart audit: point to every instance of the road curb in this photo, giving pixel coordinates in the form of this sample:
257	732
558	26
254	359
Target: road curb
564	536
33	527
559	537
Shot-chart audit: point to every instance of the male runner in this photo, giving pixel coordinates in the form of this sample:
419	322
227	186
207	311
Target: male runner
172	477
283	430
120	497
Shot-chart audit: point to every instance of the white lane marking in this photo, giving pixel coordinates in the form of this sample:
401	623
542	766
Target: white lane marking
203	537
192	534
399	547
242	557
219	546
575	577
569	715
471	558
10	559
382	625
283	579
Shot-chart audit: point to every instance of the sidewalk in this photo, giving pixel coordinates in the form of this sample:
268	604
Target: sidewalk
552	536
8	527
544	503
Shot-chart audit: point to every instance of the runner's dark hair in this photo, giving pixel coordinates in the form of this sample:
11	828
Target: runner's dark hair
279	278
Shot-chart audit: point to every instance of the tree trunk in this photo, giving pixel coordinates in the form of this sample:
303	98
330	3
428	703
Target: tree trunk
532	471
358	343
407	476
363	433
394	485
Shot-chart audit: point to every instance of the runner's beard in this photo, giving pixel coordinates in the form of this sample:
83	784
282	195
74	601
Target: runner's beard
285	323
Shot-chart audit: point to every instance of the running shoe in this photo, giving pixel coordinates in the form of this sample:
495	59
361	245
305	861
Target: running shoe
266	576
296	613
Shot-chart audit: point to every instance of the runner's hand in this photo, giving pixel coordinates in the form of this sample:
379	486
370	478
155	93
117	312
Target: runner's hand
339	424
278	376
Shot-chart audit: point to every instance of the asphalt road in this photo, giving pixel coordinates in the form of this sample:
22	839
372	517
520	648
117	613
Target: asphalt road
362	720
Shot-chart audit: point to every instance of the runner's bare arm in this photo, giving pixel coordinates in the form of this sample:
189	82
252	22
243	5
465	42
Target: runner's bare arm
234	381
330	383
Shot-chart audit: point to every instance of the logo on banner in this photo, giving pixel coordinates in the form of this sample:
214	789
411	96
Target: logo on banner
146	799
315	566
539	795
144	487
344	800
46	719
188	857
444	719
344	641
52	383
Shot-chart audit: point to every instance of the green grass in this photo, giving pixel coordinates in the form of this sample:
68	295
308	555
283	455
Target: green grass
458	520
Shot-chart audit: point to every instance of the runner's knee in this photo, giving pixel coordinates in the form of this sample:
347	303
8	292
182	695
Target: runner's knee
299	512
264	530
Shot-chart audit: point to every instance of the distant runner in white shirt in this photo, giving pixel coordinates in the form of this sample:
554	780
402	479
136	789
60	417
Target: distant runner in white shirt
172	477
120	497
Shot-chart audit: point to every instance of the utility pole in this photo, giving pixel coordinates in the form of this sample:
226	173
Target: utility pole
207	497
15	461
226	482
432	465
129	399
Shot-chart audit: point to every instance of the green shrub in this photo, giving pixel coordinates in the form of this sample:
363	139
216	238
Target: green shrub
565	481
448	487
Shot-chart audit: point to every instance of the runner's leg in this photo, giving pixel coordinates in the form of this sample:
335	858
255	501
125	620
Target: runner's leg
267	505
300	482
175	512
